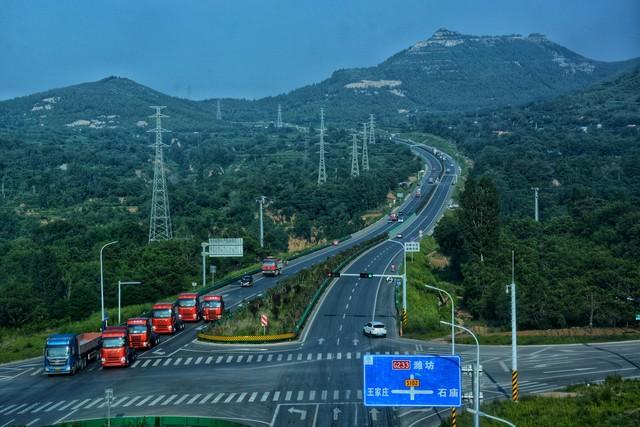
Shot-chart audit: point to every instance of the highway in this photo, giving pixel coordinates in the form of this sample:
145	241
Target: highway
315	381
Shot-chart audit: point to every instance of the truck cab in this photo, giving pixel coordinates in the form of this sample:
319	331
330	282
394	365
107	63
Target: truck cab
212	308
115	351
164	318
272	266
141	335
189	307
69	353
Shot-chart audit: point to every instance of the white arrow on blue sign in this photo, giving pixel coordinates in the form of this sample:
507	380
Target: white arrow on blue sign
398	380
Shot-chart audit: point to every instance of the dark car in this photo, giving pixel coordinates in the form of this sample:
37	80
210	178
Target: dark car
247	280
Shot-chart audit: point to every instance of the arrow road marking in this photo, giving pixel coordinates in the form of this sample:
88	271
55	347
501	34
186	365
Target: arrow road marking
374	414
336	412
302	412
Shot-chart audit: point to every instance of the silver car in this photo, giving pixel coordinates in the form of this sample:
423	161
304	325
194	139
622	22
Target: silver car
375	329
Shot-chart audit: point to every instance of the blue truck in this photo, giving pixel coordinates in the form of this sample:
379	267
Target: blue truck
69	353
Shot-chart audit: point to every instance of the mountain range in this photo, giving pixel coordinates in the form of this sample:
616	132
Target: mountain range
449	72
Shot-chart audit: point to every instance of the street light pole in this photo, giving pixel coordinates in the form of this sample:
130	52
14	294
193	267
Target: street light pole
102	280
476	383
453	319
120	283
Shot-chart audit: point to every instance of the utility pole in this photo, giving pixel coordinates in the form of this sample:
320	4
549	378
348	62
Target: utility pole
322	172
365	152
160	223
279	119
372	136
535	203
514	336
261	201
218	111
355	171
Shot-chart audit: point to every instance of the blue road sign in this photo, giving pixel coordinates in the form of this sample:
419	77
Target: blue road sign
399	380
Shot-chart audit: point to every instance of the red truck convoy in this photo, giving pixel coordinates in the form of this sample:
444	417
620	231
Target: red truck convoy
189	307
164	318
272	266
141	335
115	351
212	308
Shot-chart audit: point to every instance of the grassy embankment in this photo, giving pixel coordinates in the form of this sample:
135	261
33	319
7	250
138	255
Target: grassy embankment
613	403
283	304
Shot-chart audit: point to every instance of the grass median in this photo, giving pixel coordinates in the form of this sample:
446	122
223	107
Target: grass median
613	403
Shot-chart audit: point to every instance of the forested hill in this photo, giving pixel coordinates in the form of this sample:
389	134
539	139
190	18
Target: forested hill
449	72
579	263
111	104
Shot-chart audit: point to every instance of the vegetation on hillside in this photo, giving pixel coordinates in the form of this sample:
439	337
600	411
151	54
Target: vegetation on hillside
578	266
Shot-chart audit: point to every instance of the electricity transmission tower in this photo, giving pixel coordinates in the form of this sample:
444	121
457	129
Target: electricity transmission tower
322	172
218	111
372	137
365	152
160	224
355	171
279	120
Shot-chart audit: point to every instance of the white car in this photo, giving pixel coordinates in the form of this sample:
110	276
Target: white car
375	329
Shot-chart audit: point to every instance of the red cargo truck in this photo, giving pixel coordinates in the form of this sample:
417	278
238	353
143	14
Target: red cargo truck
115	351
212	308
141	333
272	266
189	307
164	318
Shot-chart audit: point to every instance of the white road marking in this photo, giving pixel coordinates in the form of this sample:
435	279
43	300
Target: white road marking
143	401
129	403
193	399
204	399
179	401
79	405
156	400
169	399
40	408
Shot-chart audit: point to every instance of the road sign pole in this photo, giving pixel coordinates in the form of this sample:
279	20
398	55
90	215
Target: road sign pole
476	382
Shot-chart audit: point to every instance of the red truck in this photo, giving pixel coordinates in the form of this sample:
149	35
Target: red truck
115	351
141	335
164	318
212	308
189	307
272	266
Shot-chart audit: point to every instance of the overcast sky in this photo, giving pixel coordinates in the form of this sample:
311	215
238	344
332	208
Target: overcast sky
255	48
